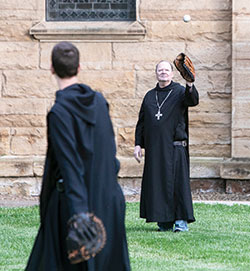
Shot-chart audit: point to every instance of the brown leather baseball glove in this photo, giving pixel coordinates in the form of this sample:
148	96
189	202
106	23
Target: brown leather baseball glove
86	237
185	66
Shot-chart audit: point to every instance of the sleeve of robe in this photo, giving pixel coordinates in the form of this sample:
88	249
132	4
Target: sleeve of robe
139	131
63	140
191	96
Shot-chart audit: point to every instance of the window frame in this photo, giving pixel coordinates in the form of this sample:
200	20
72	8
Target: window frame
91	31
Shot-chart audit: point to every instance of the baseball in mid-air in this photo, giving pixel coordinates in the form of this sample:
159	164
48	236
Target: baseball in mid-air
186	18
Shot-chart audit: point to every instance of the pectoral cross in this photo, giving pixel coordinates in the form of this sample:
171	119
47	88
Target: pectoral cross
158	115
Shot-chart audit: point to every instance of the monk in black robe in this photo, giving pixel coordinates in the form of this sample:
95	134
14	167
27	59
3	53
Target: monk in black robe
80	173
162	130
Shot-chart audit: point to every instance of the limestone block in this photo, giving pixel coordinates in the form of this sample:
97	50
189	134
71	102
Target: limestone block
95	56
216	105
236	186
15	166
130	167
200	167
209	83
241	7
126	141
131	188
27	83
15	30
22	121
145	80
38	168
210	142
144	56
24	187
19	55
22	15
112	84
241	132
4	141
241	55
241	31
208	167
241	84
28	141
186	5
18	5
5	186
194	31
177	15
1	83
40	5
210	55
237	169
241	113
131	182
38	165
174	10
207	185
218	135
124	113
49	104
13	106
240	143
210	150
206	119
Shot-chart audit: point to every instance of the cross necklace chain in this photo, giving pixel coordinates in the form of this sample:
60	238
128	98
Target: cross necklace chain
159	114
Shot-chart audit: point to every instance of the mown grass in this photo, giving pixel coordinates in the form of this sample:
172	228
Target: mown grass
18	227
218	240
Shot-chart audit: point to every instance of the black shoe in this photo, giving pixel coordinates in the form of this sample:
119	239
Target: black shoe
165	226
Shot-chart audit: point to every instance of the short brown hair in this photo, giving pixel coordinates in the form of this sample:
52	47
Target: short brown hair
65	59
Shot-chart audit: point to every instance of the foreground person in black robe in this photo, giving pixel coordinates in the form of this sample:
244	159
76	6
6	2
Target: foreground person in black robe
81	152
162	130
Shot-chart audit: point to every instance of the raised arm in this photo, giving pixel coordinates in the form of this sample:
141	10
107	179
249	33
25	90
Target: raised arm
191	95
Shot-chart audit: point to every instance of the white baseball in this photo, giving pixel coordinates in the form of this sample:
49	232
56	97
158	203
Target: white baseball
186	18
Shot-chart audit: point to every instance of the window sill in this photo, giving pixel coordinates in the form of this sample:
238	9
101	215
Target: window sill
88	31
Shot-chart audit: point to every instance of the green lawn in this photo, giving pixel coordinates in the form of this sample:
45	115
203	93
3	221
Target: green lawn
218	240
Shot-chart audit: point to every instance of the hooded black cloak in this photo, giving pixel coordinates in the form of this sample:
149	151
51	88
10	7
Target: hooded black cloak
81	151
165	193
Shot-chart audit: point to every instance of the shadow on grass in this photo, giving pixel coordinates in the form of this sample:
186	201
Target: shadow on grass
141	229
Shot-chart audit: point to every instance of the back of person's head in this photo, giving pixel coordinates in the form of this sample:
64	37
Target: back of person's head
65	59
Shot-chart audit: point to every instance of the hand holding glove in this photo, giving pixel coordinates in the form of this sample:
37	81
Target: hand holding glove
86	237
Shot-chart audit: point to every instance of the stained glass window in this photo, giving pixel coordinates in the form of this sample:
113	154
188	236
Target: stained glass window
90	10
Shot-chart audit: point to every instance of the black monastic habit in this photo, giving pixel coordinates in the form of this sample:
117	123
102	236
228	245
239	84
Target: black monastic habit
165	193
81	151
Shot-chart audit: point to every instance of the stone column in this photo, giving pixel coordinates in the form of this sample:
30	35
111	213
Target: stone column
238	167
240	79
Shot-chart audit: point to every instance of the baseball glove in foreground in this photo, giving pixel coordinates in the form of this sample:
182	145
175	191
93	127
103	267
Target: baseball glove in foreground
185	66
86	237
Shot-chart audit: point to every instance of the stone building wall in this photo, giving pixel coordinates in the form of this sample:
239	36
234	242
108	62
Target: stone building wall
118	59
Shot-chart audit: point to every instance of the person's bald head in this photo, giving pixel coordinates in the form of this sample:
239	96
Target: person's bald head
156	67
